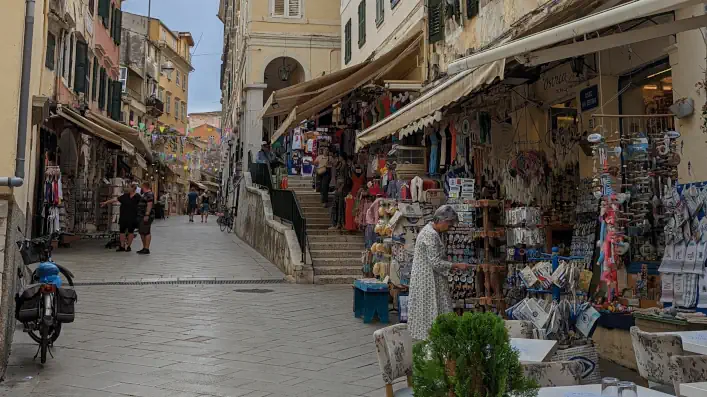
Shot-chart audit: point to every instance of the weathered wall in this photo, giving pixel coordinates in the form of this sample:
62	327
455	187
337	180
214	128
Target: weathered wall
256	226
11	217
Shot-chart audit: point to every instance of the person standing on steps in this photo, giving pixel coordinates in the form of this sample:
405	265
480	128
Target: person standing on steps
129	202
343	187
146	215
192	198
204	207
323	164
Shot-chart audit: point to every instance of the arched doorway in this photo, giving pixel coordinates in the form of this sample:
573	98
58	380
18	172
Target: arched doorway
280	73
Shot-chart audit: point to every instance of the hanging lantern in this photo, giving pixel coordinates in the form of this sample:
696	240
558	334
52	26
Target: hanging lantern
284	70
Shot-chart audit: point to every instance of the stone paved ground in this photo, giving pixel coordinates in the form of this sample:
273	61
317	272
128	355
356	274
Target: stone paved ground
198	340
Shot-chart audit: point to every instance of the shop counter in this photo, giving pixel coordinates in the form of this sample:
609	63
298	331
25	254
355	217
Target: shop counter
613	339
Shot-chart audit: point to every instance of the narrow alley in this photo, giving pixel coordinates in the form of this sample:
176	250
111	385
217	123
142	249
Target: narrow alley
204	315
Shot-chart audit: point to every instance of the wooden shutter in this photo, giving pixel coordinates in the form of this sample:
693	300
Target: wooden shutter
109	98
94	80
117	25
380	12
347	42
361	23
279	8
81	71
49	62
102	89
294	8
104	11
436	14
472	8
116	103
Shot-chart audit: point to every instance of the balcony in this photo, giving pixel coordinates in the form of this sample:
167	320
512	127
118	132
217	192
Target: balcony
155	107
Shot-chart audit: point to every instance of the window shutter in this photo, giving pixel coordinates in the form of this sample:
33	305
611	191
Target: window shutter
51	51
94	80
104	11
118	26
472	8
347	42
436	12
361	23
294	8
279	8
109	98
102	90
81	67
71	59
380	12
117	94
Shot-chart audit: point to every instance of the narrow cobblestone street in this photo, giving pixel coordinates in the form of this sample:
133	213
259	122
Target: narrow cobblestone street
243	338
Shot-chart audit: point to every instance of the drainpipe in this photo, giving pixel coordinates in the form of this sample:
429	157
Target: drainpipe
18	179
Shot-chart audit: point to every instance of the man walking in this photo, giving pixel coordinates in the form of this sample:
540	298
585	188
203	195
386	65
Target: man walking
128	216
192	199
146	214
204	207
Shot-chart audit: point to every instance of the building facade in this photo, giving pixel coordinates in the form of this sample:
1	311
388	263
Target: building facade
211	118
269	45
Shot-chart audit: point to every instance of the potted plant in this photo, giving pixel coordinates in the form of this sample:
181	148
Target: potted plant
469	356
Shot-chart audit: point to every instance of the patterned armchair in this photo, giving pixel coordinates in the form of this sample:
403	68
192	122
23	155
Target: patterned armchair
653	353
555	373
687	369
394	350
519	329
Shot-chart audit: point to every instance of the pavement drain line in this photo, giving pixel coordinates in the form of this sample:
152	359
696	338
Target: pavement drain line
177	282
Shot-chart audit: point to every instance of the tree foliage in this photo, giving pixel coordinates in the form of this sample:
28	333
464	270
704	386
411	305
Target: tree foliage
470	356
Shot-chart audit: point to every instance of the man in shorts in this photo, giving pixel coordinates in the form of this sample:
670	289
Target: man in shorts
146	214
129	202
192	199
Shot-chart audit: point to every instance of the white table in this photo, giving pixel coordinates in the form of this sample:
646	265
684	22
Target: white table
693	389
591	391
534	350
692	341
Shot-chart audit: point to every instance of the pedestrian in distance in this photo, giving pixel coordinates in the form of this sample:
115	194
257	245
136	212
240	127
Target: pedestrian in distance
204	207
192	199
146	215
128	222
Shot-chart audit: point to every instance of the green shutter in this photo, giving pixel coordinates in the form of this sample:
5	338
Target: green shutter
361	23
49	62
104	11
118	26
102	90
81	70
472	8
71	57
347	44
109	98
117	95
436	15
94	80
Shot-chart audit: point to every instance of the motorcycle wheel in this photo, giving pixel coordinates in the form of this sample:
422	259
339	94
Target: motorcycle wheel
44	343
53	334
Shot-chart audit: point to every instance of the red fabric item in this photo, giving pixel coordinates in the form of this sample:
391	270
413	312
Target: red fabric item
283	185
381	163
358	181
386	105
349	223
428	184
453	130
405	193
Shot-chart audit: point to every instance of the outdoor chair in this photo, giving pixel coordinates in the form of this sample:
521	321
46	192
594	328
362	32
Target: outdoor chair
519	329
554	373
653	353
687	369
394	350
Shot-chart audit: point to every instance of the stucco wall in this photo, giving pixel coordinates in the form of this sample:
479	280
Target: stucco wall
255	225
10	218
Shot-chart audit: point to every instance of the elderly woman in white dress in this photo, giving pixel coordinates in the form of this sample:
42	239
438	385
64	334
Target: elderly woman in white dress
429	282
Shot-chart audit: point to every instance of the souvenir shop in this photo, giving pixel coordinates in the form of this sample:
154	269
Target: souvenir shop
82	164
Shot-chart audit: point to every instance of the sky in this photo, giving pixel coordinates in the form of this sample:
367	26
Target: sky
199	18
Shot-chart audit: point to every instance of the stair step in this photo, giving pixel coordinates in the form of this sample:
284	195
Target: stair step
328	245
354	271
330	233
335	279
340	254
316	239
336	261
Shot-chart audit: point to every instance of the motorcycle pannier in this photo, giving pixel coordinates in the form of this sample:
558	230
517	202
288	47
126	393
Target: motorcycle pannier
65	301
28	304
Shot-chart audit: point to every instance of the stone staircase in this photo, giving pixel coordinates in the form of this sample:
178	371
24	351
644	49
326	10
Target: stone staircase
336	257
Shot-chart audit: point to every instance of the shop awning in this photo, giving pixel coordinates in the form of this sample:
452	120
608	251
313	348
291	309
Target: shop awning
426	107
212	186
89	126
282	101
198	184
601	20
141	161
370	72
129	134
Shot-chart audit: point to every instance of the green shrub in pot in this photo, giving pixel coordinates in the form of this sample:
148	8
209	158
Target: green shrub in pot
469	356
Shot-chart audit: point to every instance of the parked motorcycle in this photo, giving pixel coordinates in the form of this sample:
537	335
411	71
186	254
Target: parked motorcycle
42	303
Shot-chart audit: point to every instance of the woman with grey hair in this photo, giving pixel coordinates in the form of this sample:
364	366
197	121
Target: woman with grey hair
429	288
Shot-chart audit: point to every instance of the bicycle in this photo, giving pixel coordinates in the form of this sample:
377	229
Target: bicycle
226	221
43	305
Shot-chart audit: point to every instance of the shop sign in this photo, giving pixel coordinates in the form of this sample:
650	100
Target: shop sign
557	83
589	98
